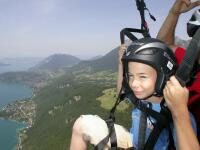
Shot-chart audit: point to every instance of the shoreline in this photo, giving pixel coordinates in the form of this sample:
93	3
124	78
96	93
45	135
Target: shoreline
12	129
25	121
19	137
22	112
20	131
15	121
18	146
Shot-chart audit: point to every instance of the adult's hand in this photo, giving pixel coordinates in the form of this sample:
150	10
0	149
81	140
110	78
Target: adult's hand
176	96
182	6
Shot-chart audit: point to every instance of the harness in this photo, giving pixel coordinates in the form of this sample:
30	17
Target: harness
163	118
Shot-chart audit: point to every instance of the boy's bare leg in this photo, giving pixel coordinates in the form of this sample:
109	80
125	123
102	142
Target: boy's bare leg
77	140
92	129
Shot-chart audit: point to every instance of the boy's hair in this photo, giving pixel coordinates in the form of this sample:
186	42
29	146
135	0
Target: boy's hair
155	53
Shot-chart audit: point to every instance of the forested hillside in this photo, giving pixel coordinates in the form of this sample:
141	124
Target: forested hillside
86	88
59	104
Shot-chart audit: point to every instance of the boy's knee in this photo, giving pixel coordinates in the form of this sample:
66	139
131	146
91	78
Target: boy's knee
77	127
91	128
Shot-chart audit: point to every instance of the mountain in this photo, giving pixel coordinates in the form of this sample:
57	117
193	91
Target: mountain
95	57
107	62
56	61
181	42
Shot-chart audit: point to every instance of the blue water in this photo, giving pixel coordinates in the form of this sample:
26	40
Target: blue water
8	134
8	129
18	64
15	67
12	92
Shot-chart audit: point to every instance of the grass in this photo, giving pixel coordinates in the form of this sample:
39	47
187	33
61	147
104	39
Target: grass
108	100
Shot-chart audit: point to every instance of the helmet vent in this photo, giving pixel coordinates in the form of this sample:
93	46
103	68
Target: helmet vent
147	52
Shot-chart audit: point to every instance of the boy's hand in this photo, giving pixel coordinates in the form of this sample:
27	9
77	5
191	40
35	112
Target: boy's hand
121	52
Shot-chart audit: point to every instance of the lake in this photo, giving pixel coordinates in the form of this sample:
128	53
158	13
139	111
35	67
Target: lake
18	64
8	129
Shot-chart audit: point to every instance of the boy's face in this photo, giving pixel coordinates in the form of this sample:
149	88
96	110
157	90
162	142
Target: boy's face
142	79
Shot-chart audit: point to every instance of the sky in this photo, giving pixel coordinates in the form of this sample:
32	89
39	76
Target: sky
83	28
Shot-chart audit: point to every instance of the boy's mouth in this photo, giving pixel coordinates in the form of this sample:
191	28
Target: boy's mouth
137	92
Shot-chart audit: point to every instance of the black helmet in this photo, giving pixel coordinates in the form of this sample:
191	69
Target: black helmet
155	53
194	23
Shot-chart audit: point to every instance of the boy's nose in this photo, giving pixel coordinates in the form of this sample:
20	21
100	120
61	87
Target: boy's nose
135	84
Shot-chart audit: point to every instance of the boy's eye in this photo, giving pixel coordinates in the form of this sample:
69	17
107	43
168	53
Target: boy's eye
143	77
130	76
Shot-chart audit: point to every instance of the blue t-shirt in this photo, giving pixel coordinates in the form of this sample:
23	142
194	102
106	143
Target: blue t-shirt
163	140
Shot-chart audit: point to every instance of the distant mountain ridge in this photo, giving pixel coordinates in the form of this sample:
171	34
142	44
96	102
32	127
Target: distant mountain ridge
95	57
21	60
3	64
56	61
107	62
181	42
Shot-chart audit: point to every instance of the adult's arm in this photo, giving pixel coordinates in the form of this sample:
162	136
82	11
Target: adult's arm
176	98
186	137
167	30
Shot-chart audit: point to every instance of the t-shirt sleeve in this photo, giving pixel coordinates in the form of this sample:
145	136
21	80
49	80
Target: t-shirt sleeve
179	53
